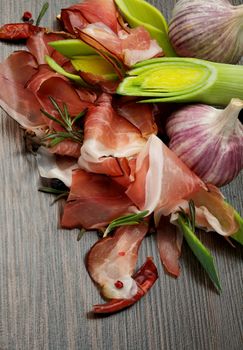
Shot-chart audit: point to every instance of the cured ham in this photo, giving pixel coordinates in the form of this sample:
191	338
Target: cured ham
38	46
49	83
140	115
212	212
128	48
108	136
162	180
169	240
111	263
94	201
90	11
15	98
27	88
51	166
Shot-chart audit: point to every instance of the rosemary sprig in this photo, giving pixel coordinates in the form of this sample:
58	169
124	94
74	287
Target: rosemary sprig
66	122
130	219
59	193
80	234
42	13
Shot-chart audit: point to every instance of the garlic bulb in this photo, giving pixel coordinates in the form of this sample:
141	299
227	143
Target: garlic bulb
209	140
211	30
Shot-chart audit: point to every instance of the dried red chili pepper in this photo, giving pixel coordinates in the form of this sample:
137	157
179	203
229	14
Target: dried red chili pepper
18	31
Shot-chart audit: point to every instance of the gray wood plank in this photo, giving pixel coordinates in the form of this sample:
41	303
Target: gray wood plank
45	291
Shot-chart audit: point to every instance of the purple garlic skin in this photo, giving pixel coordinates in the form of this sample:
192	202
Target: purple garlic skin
207	29
208	140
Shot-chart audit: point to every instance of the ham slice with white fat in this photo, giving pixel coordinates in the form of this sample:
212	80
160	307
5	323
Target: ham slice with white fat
212	212
94	201
90	11
128	48
140	115
164	184
111	263
108	136
162	180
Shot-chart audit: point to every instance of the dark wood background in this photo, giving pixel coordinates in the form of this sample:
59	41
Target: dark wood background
45	292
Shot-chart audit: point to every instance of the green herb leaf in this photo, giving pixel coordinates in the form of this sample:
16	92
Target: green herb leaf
130	219
59	193
52	191
238	236
42	13
200	251
80	234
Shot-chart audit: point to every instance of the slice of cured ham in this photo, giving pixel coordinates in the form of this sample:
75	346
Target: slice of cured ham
38	46
212	212
162	180
111	263
140	115
46	83
108	136
128	48
90	11
51	166
94	201
169	240
15	98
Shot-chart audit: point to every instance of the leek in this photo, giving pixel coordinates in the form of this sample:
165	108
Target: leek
141	13
96	65
238	236
57	68
179	79
200	251
72	47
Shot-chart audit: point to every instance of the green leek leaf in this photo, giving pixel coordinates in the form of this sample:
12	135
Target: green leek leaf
72	47
238	236
200	251
180	79
57	68
141	13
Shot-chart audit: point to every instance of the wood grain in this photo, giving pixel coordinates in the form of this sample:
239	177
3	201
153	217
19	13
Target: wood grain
45	291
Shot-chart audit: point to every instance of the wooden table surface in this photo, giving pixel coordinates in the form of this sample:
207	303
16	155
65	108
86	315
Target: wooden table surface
45	292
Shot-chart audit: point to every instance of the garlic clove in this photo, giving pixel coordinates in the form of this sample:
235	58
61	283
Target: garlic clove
209	140
222	41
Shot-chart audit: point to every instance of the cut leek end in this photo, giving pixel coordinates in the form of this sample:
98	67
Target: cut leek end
177	79
238	236
57	68
170	79
72	47
201	252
